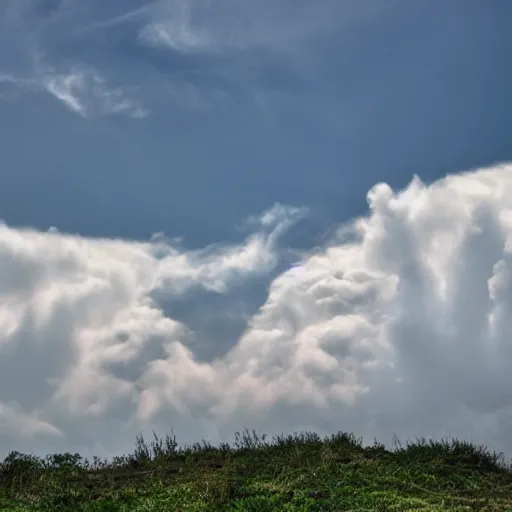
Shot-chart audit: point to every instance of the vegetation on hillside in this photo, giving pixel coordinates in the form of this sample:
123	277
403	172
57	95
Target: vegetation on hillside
296	473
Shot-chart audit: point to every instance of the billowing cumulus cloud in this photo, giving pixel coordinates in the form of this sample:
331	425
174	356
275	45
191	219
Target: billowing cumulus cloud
398	325
76	312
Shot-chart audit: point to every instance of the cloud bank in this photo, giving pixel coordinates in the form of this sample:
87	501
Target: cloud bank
398	325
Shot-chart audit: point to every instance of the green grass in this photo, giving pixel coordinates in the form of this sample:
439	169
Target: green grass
297	473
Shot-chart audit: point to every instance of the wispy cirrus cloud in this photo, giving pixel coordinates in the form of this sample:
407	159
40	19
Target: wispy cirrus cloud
83	91
86	93
9	85
243	46
6	78
193	26
172	26
269	52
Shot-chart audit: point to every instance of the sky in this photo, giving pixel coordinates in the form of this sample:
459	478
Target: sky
280	215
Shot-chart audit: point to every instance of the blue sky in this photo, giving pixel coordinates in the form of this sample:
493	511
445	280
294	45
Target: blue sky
245	133
294	102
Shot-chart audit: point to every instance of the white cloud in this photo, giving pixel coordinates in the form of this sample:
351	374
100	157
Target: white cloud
71	308
65	89
86	93
176	31
400	324
192	26
174	25
81	90
389	333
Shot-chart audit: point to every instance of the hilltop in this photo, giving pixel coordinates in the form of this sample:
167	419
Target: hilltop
296	473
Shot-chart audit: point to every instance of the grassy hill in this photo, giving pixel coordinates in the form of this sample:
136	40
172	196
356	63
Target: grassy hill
297	473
